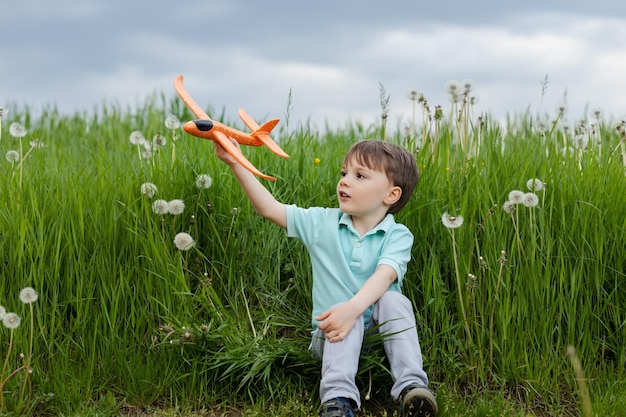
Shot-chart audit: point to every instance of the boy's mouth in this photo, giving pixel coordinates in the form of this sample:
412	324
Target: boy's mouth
343	194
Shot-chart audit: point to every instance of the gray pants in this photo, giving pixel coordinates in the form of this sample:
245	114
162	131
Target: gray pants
340	360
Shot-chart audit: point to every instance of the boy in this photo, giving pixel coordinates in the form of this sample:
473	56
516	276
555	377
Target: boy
359	256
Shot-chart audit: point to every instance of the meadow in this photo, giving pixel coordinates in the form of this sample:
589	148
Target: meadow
136	278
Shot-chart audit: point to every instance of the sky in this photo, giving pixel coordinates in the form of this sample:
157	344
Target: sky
322	63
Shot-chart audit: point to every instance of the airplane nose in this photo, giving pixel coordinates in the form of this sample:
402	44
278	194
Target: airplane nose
204	125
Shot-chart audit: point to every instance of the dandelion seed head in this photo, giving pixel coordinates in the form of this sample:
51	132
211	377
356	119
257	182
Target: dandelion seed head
12	156
413	95
467	86
184	241
204	181
508	207
597	113
36	143
28	295
148	189
11	321
137	138
17	130
535	184
172	122
176	206
160	207
159	141
3	312
453	87
451	222
235	211
516	196
530	200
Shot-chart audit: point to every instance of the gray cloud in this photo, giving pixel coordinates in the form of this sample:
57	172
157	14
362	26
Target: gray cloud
331	56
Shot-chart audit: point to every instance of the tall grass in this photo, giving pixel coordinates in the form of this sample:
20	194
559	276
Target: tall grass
125	319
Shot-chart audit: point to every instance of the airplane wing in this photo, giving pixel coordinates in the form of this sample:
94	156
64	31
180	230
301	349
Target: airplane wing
236	153
262	132
219	136
191	104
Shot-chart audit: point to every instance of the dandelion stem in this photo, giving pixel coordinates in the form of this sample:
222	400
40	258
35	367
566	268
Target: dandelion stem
29	356
460	290
4	368
3	382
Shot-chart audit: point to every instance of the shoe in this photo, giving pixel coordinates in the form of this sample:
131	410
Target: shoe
337	407
416	401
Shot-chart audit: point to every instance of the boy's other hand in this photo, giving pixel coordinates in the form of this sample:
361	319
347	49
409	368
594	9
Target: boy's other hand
337	322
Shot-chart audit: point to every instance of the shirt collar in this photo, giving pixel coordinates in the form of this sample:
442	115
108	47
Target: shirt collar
383	226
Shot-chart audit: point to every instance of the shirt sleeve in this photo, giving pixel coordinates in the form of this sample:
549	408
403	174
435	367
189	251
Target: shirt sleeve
396	251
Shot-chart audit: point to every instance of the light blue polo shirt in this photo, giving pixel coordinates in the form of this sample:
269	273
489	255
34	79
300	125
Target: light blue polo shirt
341	259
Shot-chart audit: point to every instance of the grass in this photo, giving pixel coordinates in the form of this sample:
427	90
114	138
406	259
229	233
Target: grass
127	324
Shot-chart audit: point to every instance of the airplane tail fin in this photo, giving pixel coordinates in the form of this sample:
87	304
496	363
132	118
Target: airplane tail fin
263	132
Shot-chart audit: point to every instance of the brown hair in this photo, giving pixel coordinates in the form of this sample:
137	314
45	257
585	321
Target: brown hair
396	162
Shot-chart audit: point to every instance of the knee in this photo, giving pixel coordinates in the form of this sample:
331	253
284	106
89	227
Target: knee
394	298
393	304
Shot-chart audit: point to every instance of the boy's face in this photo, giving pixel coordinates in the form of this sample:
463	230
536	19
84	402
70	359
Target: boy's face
362	191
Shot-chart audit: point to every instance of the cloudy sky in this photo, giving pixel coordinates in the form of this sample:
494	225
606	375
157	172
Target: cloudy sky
330	57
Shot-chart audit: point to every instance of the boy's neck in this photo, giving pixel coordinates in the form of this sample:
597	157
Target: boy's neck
363	224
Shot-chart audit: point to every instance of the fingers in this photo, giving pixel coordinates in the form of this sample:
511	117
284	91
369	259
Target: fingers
335	336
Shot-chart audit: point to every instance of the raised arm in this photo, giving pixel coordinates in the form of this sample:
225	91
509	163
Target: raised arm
262	200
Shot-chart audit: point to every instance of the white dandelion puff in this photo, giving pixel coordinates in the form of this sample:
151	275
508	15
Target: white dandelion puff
148	189
12	156
204	181
451	222
184	241
11	321
137	138
508	207
28	295
36	143
453	87
176	206
172	122
160	207
516	196
3	312
467	86
535	184
158	141
17	130
530	200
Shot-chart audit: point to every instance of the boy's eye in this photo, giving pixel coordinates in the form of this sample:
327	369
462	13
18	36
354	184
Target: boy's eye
360	175
343	173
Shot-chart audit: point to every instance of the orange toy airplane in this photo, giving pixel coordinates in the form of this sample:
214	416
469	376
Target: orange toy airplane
207	128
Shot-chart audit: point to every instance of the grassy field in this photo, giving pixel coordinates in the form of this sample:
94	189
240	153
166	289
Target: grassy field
517	275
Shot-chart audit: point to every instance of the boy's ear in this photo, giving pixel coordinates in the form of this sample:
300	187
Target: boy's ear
394	195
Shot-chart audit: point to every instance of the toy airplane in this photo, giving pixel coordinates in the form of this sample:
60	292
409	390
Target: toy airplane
207	128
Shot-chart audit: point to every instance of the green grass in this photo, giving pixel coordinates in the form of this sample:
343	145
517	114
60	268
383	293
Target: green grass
127	324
